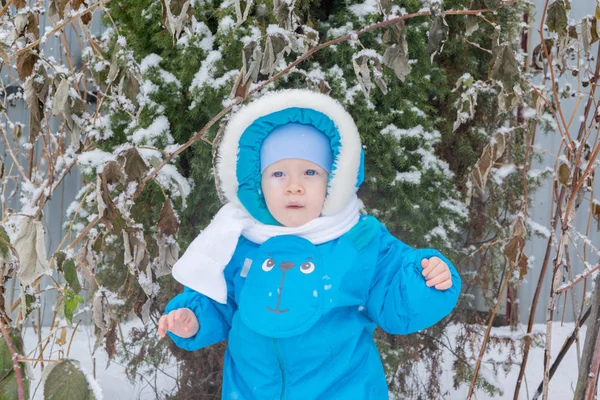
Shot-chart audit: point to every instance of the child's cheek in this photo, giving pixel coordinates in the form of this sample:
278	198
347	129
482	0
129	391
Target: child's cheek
272	183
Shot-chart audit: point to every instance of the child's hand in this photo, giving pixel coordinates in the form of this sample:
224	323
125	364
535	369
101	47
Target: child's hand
437	273
182	322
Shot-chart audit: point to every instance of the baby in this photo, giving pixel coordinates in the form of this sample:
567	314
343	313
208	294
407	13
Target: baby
289	272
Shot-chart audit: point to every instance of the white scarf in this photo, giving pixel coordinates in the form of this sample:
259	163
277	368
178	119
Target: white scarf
201	266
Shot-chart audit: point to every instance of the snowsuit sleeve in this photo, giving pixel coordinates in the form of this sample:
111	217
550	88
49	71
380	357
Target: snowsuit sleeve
214	318
399	301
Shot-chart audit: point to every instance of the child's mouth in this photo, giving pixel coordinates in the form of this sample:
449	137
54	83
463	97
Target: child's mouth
294	206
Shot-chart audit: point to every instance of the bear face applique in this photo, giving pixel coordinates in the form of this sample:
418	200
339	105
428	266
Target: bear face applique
280	297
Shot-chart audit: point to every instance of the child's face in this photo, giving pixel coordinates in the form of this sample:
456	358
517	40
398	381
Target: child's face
294	191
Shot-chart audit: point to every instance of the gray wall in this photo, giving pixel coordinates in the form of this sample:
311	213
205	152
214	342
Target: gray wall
542	207
54	219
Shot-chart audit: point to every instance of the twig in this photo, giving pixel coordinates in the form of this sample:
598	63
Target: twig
563	351
536	295
57	28
487	333
569	144
15	361
587	273
72	337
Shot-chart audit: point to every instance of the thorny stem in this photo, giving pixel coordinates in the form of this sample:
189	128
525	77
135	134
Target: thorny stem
581	277
568	143
580	136
563	351
14	360
536	295
487	332
5	8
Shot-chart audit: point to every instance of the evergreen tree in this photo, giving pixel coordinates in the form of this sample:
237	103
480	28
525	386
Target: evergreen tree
175	65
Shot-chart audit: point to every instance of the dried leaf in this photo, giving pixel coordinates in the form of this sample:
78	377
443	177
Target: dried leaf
283	12
519	228
62	339
134	165
276	47
167	221
115	68
111	343
363	74
324	87
101	312
25	63
145	313
595	29
31	249
506	68
60	103
514	249
251	58
89	260
175	16
168	254
564	174
596	212
57	7
438	34
538	58
240	90
472	21
540	103
396	52
586	36
482	168
377	77
523	266
36	90
136	256
76	4
107	209
498	146
557	18
129	86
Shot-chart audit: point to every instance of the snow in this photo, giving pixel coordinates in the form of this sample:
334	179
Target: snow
205	76
413	177
151	60
94	159
114	384
537	228
110	382
364	9
158	128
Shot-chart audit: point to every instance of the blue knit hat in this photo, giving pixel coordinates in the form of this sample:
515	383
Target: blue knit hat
294	140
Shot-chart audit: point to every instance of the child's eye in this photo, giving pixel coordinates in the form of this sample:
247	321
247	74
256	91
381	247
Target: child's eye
277	174
311	172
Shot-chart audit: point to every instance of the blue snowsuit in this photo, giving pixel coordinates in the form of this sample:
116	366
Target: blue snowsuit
299	317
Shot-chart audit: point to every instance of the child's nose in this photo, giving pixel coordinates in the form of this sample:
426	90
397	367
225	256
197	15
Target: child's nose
295	188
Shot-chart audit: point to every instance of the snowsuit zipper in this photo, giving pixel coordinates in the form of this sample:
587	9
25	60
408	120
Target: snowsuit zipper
281	368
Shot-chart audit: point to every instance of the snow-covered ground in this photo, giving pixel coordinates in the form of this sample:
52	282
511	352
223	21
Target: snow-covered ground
116	386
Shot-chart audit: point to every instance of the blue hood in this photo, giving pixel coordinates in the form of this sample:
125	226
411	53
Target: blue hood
238	162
